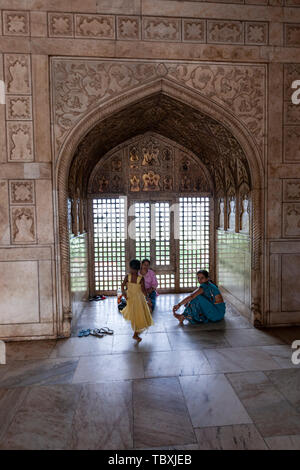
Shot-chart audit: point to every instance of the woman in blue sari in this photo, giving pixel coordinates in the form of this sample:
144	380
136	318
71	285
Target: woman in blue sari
204	304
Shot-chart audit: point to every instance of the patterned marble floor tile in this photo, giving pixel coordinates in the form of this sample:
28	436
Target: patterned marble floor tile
44	419
173	325
269	410
28	350
184	340
170	363
212	401
236	322
160	414
287	381
46	371
250	337
109	368
237	437
239	359
150	342
283	442
282	354
103	417
10	401
86	346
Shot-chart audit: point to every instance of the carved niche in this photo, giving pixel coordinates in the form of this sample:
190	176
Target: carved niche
221	223
149	163
291	219
244	208
23	224
231	214
245	216
17	73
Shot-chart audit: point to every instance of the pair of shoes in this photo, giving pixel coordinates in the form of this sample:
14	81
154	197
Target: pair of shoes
96	298
100	332
84	333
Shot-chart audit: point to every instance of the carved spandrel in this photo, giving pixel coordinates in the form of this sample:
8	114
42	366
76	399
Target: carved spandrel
101	80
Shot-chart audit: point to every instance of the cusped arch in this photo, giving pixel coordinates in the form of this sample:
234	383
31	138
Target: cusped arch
185	96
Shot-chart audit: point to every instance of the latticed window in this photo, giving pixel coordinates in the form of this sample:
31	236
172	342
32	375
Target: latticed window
194	238
162	215
155	238
142	230
109	243
162	233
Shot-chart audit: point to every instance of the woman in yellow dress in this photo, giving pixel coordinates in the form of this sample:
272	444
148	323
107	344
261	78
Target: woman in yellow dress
136	310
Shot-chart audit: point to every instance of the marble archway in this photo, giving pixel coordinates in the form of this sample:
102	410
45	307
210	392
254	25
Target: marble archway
141	109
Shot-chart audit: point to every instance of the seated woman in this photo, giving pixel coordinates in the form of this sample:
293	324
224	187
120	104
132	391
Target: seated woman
204	304
150	282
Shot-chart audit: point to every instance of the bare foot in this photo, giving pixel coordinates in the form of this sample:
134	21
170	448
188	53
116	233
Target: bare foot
137	337
180	318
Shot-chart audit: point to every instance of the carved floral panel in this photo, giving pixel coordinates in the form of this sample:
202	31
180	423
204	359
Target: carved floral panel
95	26
128	27
292	144
194	30
16	23
23	225
225	32
18	107
256	33
291	220
17	73
291	121
292	35
291	114
60	25
291	73
21	192
161	29
20	141
291	190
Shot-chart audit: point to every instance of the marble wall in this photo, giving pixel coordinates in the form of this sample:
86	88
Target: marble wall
243	35
234	265
79	273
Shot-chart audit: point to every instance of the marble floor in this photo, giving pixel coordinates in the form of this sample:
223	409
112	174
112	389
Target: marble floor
213	386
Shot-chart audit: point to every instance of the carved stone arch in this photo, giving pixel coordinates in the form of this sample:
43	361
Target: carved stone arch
185	96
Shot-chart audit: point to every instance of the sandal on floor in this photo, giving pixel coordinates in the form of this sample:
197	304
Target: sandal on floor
96	332
84	333
106	331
